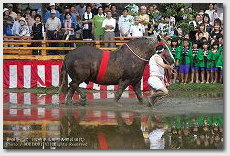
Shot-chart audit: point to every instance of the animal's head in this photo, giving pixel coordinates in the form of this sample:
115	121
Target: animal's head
146	47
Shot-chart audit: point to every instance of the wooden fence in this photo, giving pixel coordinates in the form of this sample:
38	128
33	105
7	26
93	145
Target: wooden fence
16	47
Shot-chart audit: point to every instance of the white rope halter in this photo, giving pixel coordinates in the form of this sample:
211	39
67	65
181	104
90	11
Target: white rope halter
135	53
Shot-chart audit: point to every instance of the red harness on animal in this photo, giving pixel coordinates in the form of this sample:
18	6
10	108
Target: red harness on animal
103	66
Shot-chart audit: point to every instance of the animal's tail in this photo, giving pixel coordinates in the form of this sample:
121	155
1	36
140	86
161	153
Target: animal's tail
64	79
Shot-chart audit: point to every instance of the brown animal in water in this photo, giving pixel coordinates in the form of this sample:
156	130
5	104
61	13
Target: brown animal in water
125	67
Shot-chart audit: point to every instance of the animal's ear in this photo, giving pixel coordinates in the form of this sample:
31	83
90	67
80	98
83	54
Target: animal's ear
158	38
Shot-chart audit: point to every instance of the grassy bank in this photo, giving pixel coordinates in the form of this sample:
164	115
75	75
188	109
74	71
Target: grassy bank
197	87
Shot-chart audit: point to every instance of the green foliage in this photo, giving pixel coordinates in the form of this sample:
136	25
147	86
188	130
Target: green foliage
178	10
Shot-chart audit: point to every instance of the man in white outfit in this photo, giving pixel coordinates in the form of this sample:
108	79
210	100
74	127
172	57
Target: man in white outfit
157	71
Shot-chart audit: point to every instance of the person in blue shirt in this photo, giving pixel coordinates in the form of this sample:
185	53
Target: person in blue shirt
48	12
63	16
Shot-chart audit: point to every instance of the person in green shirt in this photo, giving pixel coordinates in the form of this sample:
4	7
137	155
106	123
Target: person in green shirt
97	30
219	64
184	59
194	63
174	48
205	62
215	55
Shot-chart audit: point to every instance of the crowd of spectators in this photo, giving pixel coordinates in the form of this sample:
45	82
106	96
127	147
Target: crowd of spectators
199	52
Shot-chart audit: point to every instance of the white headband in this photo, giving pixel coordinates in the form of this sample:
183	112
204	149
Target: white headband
158	51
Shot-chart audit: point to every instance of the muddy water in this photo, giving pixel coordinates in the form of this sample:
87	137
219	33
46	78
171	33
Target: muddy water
42	121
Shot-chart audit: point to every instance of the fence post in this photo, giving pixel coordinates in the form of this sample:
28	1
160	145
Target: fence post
98	45
44	51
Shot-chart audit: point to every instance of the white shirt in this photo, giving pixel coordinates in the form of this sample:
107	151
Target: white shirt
155	68
125	23
210	14
110	21
156	142
53	24
15	28
137	30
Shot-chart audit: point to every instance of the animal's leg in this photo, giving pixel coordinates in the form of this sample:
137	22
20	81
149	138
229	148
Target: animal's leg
121	87
137	90
70	93
82	94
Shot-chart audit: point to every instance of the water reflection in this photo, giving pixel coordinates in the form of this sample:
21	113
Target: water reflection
96	129
43	99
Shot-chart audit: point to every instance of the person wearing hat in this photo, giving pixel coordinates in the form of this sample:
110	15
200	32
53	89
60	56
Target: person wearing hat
53	25
23	29
11	12
48	12
157	71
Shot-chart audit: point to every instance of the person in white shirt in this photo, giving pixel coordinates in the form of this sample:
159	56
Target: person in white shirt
124	23
16	25
137	29
109	25
53	25
157	71
210	12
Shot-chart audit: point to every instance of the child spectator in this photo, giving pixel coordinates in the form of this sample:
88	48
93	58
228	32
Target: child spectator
215	56
109	25
137	29
184	55
97	21
23	29
125	21
205	62
194	63
174	48
87	24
